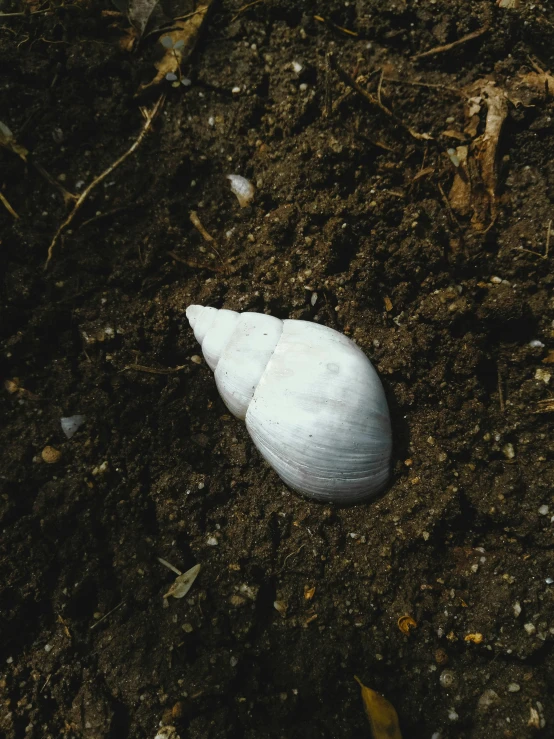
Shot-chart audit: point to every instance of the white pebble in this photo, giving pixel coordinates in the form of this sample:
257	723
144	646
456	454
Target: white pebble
513	688
211	121
48	648
235	90
303	87
297	67
212	541
517	608
530	628
543	510
242	188
233	661
536	344
313	299
71	424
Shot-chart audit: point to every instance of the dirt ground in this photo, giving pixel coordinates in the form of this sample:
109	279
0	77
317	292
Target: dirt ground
362	220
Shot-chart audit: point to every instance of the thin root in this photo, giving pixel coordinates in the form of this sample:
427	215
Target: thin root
448	47
149	118
8	207
348	80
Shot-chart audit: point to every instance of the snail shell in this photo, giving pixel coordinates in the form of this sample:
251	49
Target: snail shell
312	401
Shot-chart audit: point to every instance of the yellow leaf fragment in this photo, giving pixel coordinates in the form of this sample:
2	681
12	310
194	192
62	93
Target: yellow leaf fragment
382	716
183	583
182	40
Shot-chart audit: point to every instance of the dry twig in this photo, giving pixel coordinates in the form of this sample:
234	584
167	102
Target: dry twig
547	247
153	370
206	236
334	26
430	85
193	263
149	118
348	80
245	7
545	406
8	207
458	42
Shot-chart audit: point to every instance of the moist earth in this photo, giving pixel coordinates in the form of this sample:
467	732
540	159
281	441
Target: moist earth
356	143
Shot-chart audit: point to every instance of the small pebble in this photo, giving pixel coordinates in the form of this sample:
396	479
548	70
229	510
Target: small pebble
513	688
212	541
530	628
543	510
50	455
508	451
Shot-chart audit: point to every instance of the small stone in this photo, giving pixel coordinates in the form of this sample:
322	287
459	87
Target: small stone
542	374
196	359
447	679
487	699
513	688
543	510
212	541
530	628
281	607
187	628
508	451
50	455
517	608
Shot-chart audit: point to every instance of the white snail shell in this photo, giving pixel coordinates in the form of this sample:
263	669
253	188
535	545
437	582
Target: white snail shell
312	401
242	188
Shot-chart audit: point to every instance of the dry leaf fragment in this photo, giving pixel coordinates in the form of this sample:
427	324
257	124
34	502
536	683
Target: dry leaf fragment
382	716
183	582
527	89
497	110
8	141
139	13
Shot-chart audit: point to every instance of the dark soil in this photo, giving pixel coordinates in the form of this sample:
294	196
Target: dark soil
457	319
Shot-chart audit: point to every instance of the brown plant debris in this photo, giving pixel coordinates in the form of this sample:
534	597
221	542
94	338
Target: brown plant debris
474	186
